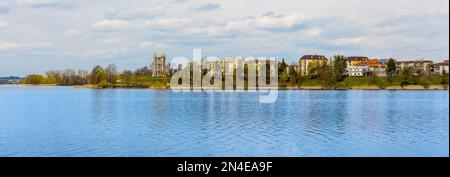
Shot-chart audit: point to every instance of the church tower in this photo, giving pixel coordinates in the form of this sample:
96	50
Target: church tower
159	67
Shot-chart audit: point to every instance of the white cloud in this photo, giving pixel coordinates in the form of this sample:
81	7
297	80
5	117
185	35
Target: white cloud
348	41
207	7
12	45
9	46
168	23
149	12
312	32
103	53
149	44
4	24
146	44
38	2
401	29
113	24
72	33
114	40
272	21
162	45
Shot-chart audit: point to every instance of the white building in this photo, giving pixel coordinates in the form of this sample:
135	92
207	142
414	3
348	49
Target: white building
358	70
440	68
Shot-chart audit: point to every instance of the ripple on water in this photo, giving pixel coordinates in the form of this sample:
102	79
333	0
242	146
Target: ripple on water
128	122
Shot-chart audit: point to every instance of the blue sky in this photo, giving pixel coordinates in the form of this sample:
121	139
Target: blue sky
39	35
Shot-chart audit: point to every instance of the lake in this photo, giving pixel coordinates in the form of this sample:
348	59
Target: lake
65	121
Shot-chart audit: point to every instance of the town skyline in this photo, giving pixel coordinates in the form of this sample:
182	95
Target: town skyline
82	35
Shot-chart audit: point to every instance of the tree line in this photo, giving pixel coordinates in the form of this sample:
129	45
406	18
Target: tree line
328	75
332	75
100	76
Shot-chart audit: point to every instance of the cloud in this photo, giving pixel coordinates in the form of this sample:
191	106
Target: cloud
268	22
177	1
72	33
400	29
166	23
103	53
5	6
43	3
146	44
3	24
207	7
348	41
149	12
272	21
113	40
113	24
9	46
149	44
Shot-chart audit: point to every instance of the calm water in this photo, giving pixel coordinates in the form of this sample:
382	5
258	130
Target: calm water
56	121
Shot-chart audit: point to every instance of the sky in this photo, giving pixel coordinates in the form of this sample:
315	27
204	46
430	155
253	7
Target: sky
41	35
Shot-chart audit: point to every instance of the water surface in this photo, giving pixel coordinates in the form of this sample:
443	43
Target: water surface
65	121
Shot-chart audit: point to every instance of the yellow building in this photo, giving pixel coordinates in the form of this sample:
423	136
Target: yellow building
352	61
304	62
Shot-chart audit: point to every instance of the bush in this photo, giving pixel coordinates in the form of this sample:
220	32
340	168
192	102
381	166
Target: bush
34	79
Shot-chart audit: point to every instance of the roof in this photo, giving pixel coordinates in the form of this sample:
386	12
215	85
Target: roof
444	63
356	58
371	63
313	57
414	62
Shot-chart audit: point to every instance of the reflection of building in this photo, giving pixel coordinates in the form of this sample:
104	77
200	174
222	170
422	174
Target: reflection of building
159	67
306	60
439	68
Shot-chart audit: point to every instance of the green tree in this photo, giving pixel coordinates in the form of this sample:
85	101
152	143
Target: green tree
405	76
339	67
54	77
111	73
126	77
293	74
98	75
326	76
283	71
314	69
34	79
391	69
444	80
145	71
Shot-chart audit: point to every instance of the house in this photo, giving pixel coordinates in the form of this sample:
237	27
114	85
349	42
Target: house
367	68
376	67
304	62
439	68
358	70
423	65
10	80
210	65
229	64
353	60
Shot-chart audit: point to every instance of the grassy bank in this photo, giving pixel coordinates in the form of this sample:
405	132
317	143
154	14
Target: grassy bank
371	83
350	83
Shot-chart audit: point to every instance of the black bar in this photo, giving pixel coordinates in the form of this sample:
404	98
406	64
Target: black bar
279	166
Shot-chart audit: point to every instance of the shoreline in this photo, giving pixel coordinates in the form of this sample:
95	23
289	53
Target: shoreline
367	87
